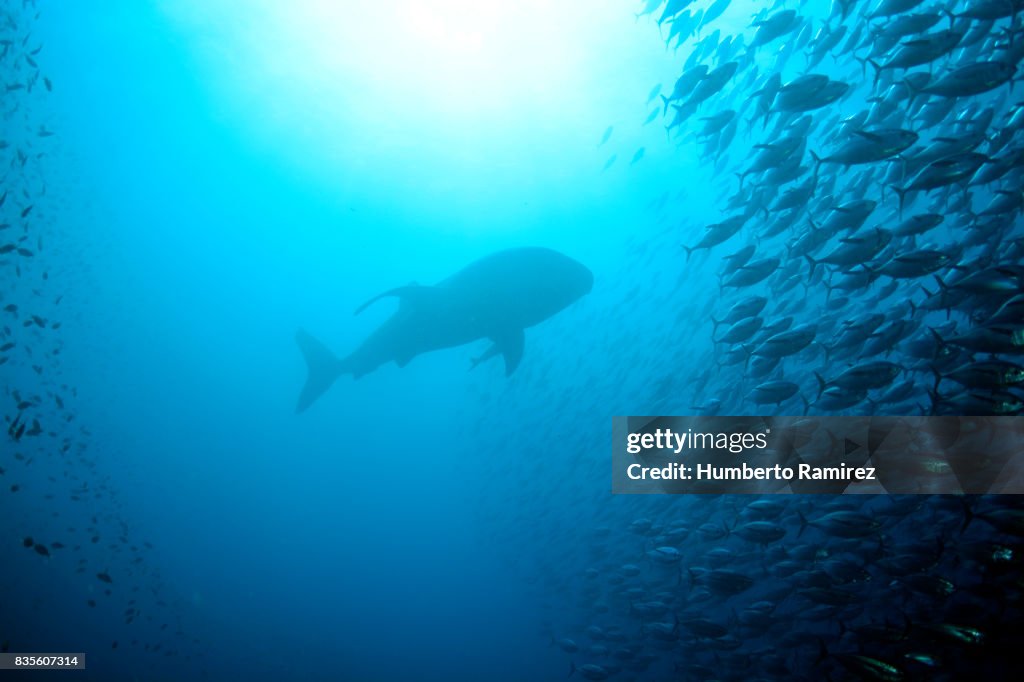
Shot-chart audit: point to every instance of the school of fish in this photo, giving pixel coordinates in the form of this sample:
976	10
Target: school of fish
867	258
49	459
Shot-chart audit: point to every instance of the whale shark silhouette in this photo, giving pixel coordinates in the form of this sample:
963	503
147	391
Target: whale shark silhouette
495	298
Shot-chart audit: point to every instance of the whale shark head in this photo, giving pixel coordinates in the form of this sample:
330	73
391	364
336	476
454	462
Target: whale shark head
550	281
577	279
583	279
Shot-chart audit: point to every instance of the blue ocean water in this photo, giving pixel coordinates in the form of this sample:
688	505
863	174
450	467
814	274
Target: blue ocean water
222	174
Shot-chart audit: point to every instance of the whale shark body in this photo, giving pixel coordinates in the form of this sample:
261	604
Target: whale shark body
495	298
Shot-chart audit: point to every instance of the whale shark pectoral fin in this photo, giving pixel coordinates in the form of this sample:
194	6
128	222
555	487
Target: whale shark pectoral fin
511	346
405	293
488	354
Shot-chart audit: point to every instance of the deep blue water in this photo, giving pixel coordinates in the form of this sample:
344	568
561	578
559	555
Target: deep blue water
221	175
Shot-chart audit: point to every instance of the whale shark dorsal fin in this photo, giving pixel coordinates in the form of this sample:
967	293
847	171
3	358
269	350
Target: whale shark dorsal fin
403	293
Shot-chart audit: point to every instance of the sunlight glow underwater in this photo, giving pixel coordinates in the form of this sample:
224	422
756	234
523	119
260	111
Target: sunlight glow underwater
427	97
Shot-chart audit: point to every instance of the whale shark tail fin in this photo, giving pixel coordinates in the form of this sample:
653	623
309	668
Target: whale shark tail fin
323	369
